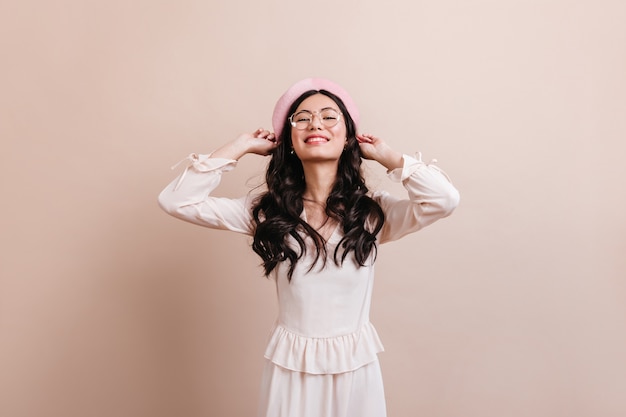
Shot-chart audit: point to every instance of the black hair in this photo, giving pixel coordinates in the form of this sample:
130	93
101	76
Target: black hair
276	213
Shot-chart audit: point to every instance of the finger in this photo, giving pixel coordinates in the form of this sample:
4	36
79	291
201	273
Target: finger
262	133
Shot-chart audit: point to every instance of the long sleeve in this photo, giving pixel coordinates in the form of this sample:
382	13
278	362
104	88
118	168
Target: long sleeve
189	198
431	196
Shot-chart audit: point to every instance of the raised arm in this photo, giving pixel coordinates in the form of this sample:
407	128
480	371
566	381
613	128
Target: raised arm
431	195
260	142
189	197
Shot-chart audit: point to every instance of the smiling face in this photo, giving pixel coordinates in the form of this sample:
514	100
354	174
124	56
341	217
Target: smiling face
317	142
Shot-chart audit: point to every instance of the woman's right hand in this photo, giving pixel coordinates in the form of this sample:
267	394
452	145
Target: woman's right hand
260	142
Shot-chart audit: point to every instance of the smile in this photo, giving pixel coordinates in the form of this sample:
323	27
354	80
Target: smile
316	139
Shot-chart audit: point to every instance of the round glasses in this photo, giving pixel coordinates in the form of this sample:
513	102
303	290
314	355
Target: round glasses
302	120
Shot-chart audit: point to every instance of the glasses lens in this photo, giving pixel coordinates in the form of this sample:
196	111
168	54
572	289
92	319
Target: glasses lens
303	119
329	117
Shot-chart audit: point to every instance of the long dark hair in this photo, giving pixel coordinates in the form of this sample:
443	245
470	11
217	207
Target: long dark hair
276	213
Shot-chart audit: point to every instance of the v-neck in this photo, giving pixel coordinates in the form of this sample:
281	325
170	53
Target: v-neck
332	237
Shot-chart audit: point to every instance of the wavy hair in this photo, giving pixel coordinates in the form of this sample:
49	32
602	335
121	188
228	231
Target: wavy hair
276	213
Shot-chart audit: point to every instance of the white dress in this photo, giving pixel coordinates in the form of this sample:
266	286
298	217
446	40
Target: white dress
321	357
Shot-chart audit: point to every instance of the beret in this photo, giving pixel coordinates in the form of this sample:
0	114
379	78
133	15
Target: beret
286	100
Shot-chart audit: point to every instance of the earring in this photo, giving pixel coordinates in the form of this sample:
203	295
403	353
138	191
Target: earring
291	151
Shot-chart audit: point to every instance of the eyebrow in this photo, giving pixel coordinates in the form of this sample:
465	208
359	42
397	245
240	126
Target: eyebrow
325	108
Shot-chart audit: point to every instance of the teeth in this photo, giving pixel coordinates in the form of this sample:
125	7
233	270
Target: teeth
315	140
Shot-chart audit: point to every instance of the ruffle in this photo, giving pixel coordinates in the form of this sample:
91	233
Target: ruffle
203	163
329	355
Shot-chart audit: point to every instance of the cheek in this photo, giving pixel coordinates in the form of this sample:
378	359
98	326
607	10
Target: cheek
295	139
340	131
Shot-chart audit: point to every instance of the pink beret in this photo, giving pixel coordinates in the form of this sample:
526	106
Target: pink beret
286	100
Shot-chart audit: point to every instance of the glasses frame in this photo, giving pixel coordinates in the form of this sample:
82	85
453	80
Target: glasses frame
294	124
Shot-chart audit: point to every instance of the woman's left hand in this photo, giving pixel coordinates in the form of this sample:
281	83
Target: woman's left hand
375	148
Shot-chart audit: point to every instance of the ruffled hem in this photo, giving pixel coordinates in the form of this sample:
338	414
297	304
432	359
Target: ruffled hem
330	355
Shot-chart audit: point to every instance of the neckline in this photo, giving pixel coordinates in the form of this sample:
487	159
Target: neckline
332	237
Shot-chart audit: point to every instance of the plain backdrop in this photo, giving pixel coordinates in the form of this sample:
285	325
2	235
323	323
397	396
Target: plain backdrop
514	306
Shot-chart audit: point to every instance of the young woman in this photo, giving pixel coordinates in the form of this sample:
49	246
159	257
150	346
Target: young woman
317	229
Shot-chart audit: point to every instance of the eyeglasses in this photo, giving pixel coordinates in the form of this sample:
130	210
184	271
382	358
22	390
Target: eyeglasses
328	118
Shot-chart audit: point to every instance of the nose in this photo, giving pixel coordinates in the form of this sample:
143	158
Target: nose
316	121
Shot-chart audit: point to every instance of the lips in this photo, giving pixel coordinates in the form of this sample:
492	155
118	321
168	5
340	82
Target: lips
315	139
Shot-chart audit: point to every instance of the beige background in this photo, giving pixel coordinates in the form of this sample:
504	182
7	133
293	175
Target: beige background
514	306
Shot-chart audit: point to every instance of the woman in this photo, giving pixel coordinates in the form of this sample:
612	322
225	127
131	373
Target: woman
317	230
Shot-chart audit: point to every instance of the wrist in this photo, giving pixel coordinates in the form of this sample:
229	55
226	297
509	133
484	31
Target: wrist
233	150
391	159
241	146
